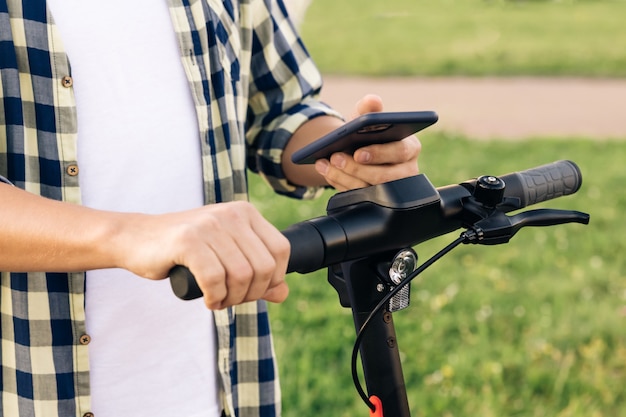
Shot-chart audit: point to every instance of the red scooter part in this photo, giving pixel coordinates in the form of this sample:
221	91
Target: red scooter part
378	412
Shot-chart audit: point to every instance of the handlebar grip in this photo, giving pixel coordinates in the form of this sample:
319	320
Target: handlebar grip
544	182
307	247
184	284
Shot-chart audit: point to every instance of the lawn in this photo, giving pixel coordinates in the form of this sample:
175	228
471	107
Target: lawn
468	37
530	329
533	328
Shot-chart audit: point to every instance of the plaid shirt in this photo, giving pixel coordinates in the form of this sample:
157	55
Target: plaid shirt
253	84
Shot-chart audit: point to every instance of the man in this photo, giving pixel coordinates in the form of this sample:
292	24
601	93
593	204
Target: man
129	163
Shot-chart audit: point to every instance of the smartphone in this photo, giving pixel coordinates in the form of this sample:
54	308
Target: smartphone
367	129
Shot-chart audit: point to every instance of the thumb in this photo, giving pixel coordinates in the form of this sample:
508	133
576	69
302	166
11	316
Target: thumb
277	294
368	104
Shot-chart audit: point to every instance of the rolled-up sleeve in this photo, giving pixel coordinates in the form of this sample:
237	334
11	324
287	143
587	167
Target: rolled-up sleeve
283	94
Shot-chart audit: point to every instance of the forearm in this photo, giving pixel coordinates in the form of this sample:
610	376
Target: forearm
39	234
310	131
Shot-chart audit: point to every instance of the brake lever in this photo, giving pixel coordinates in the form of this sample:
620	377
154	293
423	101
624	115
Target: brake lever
499	228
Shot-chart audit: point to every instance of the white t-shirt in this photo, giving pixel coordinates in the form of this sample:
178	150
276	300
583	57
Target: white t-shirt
151	354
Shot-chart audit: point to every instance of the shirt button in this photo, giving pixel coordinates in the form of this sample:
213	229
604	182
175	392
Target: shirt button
84	340
88	415
72	170
67	81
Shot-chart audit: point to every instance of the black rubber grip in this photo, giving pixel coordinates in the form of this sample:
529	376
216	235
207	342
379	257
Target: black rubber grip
184	284
543	183
307	247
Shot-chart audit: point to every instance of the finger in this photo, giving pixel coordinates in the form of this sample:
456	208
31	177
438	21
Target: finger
368	104
337	173
259	263
209	275
248	268
279	248
238	272
277	293
233	271
399	152
347	173
336	178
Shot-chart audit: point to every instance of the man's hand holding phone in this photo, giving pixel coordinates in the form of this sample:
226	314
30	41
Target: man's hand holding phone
375	163
372	148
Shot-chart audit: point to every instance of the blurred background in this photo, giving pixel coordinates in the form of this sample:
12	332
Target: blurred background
533	328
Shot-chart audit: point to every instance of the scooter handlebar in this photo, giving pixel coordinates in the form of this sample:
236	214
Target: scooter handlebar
397	214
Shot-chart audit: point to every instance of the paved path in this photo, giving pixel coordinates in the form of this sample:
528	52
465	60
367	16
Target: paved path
509	108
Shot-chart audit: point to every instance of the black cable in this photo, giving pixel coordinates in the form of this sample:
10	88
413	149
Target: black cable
357	343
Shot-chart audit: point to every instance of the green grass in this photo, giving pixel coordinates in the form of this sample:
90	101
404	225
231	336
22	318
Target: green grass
468	37
530	329
533	328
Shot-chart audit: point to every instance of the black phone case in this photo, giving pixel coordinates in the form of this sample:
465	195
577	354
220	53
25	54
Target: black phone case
368	129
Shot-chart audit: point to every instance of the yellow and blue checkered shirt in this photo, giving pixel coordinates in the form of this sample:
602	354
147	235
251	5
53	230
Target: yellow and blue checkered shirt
253	83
